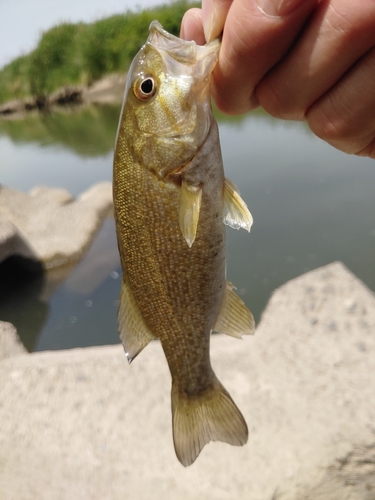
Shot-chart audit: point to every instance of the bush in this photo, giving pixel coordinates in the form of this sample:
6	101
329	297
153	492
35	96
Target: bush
82	53
53	62
14	82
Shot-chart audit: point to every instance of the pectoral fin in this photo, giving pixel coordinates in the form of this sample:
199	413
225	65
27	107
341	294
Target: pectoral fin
134	332
234	318
190	205
236	213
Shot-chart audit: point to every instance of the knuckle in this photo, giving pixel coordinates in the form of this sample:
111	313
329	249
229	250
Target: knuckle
369	150
331	130
343	131
328	124
277	103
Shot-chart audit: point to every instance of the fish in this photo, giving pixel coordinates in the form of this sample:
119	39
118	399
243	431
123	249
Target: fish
171	201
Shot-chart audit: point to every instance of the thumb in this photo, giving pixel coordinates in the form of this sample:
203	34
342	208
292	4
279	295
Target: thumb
192	26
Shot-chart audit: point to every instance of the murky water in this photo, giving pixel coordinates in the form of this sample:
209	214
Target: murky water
311	205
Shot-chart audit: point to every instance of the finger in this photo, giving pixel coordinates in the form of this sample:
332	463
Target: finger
338	34
345	116
214	13
206	24
254	40
192	26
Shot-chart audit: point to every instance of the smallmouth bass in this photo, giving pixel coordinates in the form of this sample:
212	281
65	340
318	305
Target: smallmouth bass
171	202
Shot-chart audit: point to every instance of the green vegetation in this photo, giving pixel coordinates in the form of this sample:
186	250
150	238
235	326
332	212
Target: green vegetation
82	53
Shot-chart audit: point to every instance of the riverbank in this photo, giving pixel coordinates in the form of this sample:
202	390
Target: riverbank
83	424
70	55
109	89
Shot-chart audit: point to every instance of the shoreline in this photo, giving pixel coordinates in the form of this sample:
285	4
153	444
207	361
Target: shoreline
109	89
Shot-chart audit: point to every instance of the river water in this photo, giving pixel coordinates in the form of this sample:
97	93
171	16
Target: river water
312	205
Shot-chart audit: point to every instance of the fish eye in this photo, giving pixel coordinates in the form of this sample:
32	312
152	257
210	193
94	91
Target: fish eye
144	87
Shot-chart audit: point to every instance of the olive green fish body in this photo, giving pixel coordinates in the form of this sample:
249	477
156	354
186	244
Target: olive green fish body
170	199
178	289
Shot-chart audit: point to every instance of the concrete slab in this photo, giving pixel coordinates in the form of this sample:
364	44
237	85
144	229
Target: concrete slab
48	225
82	424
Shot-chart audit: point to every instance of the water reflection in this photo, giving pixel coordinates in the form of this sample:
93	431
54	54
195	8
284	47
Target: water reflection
311	205
68	306
88	131
83	310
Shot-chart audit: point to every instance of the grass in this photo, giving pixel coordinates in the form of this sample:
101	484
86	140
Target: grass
82	53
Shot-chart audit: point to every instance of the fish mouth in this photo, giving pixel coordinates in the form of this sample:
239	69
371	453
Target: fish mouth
184	51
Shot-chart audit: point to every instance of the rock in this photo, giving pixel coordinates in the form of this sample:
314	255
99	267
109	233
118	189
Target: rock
48	225
36	102
83	424
8	108
109	89
317	336
10	344
11	242
71	94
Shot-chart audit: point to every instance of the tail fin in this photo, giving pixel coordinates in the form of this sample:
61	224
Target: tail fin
197	420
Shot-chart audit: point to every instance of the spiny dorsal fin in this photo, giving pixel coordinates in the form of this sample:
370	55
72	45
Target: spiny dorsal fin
201	418
190	205
134	332
234	318
236	214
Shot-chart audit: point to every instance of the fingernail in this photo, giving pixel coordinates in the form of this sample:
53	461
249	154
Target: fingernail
214	13
279	8
208	19
182	30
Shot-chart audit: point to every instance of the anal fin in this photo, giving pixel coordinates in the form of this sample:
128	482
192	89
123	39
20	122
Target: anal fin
134	333
236	214
190	205
234	318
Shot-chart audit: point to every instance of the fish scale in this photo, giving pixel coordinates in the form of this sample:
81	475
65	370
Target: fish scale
171	300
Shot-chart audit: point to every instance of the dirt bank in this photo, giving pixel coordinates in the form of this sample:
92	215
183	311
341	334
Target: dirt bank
108	90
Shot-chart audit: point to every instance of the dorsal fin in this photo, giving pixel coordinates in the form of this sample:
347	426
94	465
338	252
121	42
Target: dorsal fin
134	332
234	318
236	214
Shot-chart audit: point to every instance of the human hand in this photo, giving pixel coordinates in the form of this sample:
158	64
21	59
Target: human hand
299	59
